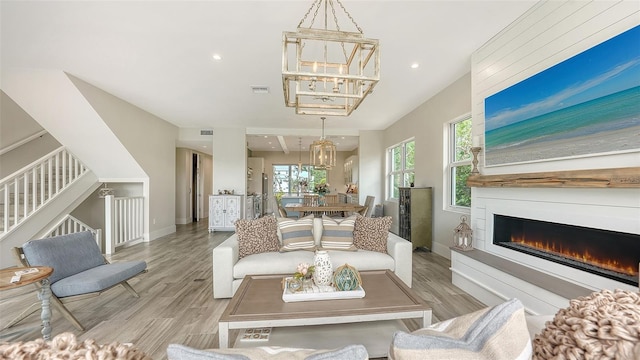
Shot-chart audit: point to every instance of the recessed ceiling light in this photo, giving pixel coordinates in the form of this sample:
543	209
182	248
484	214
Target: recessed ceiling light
217	57
265	136
415	65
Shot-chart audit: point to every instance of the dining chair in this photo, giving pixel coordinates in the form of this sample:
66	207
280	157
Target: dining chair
368	203
332	200
310	200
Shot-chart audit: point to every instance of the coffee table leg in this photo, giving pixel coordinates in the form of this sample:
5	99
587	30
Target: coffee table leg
45	297
426	319
223	335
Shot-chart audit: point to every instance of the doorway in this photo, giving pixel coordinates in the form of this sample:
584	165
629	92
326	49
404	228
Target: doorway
196	188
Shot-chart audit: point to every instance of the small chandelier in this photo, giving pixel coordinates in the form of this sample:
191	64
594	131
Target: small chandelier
322	153
328	71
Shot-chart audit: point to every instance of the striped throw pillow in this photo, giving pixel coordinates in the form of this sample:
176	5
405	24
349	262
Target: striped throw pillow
338	234
498	332
297	234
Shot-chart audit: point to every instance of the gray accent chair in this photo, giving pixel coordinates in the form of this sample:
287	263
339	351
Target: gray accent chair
79	270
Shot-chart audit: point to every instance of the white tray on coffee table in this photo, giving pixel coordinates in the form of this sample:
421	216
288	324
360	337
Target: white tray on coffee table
320	293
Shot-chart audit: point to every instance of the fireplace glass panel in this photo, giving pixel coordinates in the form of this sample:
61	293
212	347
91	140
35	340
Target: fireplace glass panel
611	254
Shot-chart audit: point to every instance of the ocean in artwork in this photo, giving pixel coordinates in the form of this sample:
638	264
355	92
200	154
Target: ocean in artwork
575	128
586	105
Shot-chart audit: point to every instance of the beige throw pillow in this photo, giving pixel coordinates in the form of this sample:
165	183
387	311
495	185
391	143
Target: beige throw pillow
337	234
257	236
297	234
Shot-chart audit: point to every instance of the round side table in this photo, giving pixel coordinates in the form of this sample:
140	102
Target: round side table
44	295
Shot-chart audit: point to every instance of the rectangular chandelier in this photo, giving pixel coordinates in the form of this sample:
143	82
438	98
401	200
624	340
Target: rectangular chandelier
328	72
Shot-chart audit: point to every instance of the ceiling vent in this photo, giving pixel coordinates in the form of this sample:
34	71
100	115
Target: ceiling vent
256	89
206	132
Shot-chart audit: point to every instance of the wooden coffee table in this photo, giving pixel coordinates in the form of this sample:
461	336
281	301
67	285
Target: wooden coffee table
258	303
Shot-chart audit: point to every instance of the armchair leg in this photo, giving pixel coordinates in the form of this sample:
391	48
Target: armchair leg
66	313
30	310
130	289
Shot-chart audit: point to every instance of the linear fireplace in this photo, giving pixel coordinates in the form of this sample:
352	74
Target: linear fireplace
611	254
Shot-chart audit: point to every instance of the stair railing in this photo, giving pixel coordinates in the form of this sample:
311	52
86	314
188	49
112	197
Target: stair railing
28	189
124	221
69	225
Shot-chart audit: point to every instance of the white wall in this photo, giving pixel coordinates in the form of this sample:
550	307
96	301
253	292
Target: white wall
54	101
425	124
371	166
16	126
229	160
151	142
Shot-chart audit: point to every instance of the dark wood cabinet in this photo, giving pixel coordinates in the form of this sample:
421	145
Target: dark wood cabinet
416	216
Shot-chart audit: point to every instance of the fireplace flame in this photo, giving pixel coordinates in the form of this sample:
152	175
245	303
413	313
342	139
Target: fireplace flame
586	256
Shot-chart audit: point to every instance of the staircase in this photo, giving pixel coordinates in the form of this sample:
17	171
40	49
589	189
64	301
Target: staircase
40	195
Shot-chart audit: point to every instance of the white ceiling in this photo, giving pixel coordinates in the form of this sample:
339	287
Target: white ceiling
157	55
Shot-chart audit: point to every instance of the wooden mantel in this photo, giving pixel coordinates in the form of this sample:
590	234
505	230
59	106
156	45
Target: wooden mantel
598	178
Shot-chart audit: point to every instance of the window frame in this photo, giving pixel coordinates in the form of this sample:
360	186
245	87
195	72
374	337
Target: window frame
391	173
450	163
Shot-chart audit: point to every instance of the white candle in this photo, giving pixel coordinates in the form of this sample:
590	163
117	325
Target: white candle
465	241
476	141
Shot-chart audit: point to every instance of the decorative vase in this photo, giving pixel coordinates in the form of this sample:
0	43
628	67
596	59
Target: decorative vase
323	268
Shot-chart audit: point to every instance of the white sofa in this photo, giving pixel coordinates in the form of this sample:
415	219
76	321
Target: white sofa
229	270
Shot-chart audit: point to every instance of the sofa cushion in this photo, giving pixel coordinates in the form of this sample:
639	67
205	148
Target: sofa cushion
53	252
98	278
350	352
363	260
499	332
371	233
257	236
337	234
297	234
286	263
271	263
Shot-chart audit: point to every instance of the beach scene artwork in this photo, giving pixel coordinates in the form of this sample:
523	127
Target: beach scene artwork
587	105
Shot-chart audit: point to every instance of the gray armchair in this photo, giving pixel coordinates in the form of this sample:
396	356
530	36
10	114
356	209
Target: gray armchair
79	270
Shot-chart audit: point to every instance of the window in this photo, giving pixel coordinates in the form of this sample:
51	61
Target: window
458	164
401	163
287	180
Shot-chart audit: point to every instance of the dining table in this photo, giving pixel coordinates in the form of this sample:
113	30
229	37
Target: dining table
319	210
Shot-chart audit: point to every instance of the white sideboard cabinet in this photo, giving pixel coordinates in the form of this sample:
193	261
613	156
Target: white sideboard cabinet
224	210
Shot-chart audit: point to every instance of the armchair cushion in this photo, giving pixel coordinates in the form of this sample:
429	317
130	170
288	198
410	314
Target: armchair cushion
350	352
499	332
51	252
98	278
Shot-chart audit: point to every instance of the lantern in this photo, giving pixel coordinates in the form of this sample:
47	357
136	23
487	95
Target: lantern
463	236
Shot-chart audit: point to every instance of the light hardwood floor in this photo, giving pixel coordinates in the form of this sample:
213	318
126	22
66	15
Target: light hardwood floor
176	302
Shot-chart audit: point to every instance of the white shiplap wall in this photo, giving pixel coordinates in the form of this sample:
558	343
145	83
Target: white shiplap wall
549	33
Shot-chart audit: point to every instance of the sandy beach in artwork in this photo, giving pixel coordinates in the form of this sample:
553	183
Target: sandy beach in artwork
621	140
